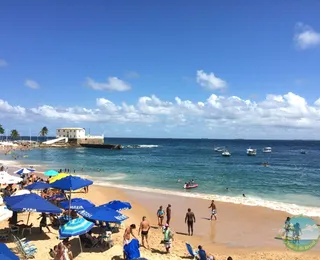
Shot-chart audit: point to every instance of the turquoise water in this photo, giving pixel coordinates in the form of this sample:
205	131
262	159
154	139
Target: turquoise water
291	179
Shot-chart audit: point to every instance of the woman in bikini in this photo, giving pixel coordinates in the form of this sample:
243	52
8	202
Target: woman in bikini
160	214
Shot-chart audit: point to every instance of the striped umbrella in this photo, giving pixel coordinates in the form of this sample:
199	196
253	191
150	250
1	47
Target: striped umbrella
75	227
24	171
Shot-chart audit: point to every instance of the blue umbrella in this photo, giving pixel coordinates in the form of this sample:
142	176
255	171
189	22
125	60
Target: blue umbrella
77	204
24	171
102	214
75	227
71	183
117	205
38	186
6	253
51	173
31	203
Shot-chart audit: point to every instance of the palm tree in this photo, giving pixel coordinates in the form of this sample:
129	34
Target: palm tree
14	134
44	131
1	130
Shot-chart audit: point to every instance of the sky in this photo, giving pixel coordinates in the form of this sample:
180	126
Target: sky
178	69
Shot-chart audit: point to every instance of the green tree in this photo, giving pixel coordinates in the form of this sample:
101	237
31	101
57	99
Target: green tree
44	131
14	134
1	130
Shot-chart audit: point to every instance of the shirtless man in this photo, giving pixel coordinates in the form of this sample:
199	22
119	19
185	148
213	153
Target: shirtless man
213	210
144	230
127	236
190	219
168	214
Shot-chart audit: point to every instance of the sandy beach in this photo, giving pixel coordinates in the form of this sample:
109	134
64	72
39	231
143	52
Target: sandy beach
242	232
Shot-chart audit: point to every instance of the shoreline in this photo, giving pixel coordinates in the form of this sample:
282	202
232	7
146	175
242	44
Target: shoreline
241	231
250	201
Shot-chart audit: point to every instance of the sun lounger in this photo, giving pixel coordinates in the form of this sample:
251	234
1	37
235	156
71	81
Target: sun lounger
192	252
27	249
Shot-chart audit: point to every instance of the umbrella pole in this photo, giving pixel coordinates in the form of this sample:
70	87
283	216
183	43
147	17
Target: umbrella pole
80	245
69	204
28	218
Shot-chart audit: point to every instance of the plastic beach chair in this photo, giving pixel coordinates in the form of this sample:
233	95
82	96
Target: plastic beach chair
191	251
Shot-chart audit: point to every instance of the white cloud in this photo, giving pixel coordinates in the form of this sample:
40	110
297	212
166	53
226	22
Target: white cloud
31	84
3	63
112	84
281	113
306	37
210	81
310	228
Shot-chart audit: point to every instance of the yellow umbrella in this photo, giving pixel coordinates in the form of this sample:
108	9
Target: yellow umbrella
58	177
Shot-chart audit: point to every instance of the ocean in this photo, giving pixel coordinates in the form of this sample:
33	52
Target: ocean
290	183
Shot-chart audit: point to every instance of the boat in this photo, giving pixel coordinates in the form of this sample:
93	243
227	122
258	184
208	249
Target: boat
251	152
267	150
190	186
219	149
226	153
303	152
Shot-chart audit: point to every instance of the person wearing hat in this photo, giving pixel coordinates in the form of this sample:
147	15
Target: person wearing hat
168	237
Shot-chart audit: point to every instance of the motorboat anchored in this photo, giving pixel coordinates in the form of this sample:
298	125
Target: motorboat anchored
267	150
251	152
219	149
226	153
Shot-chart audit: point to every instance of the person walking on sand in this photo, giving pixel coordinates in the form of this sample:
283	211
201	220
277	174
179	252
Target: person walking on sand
190	219
168	237
168	213
213	210
43	222
160	215
144	230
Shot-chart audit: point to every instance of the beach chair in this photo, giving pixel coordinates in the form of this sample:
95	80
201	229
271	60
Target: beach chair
26	228
27	249
192	252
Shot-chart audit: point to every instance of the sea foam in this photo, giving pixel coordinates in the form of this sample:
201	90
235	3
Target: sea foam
292	209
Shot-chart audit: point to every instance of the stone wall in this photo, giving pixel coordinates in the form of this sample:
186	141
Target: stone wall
91	140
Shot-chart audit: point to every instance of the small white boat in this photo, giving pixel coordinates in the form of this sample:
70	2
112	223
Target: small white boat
219	149
226	153
267	150
251	152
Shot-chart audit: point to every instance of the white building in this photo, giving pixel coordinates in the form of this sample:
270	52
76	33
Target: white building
71	132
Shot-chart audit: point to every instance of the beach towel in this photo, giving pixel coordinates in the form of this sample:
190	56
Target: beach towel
132	249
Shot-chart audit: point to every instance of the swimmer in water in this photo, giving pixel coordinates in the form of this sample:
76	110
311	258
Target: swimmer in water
243	195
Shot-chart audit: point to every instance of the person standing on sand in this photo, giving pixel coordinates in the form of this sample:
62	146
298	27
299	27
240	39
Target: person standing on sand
160	215
213	210
127	236
190	219
144	230
168	212
168	237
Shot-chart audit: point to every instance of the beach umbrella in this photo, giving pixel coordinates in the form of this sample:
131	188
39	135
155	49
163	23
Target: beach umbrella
117	205
5	213
51	173
6	178
102	214
6	253
58	177
24	171
71	183
20	192
75	227
30	203
77	204
38	186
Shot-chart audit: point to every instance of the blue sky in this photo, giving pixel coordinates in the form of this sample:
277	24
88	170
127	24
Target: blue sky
56	59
